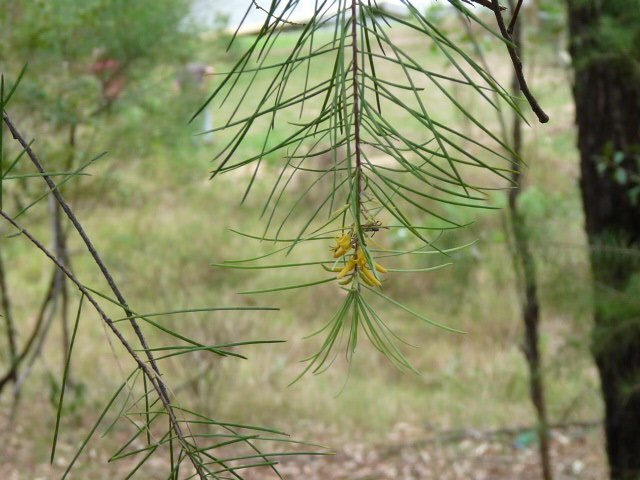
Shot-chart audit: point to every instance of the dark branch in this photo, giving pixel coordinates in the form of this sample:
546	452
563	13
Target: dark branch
484	3
517	65
514	18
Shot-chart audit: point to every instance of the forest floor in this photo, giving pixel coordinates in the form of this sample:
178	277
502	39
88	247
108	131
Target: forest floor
504	454
458	455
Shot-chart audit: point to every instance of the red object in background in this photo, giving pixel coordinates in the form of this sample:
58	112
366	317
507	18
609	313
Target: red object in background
111	73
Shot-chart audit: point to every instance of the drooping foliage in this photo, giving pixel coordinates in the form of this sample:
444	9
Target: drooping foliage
377	157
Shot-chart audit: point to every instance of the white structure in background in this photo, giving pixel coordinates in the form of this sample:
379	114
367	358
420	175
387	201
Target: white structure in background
207	12
195	76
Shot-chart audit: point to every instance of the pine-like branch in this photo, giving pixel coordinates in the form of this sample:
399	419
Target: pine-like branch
153	374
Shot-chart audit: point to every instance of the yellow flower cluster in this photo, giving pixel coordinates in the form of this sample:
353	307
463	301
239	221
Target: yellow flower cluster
357	263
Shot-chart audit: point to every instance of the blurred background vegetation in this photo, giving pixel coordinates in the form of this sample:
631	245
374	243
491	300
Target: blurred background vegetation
118	76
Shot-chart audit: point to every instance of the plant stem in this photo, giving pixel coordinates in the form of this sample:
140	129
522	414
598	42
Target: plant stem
8	317
356	108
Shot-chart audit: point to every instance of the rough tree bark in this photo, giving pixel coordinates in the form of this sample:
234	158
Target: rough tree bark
607	98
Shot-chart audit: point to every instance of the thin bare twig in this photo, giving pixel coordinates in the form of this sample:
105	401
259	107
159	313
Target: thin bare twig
12	372
517	65
484	3
514	17
8	316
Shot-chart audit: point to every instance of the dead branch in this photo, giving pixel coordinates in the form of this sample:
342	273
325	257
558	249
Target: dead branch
517	63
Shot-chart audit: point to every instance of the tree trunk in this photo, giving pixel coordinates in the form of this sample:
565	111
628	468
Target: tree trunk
528	284
607	98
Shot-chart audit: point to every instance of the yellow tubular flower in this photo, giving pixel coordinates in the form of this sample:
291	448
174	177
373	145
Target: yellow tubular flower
348	268
338	253
380	268
367	275
366	280
343	245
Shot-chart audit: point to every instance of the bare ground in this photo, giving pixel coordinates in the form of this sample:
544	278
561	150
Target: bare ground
507	454
468	455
